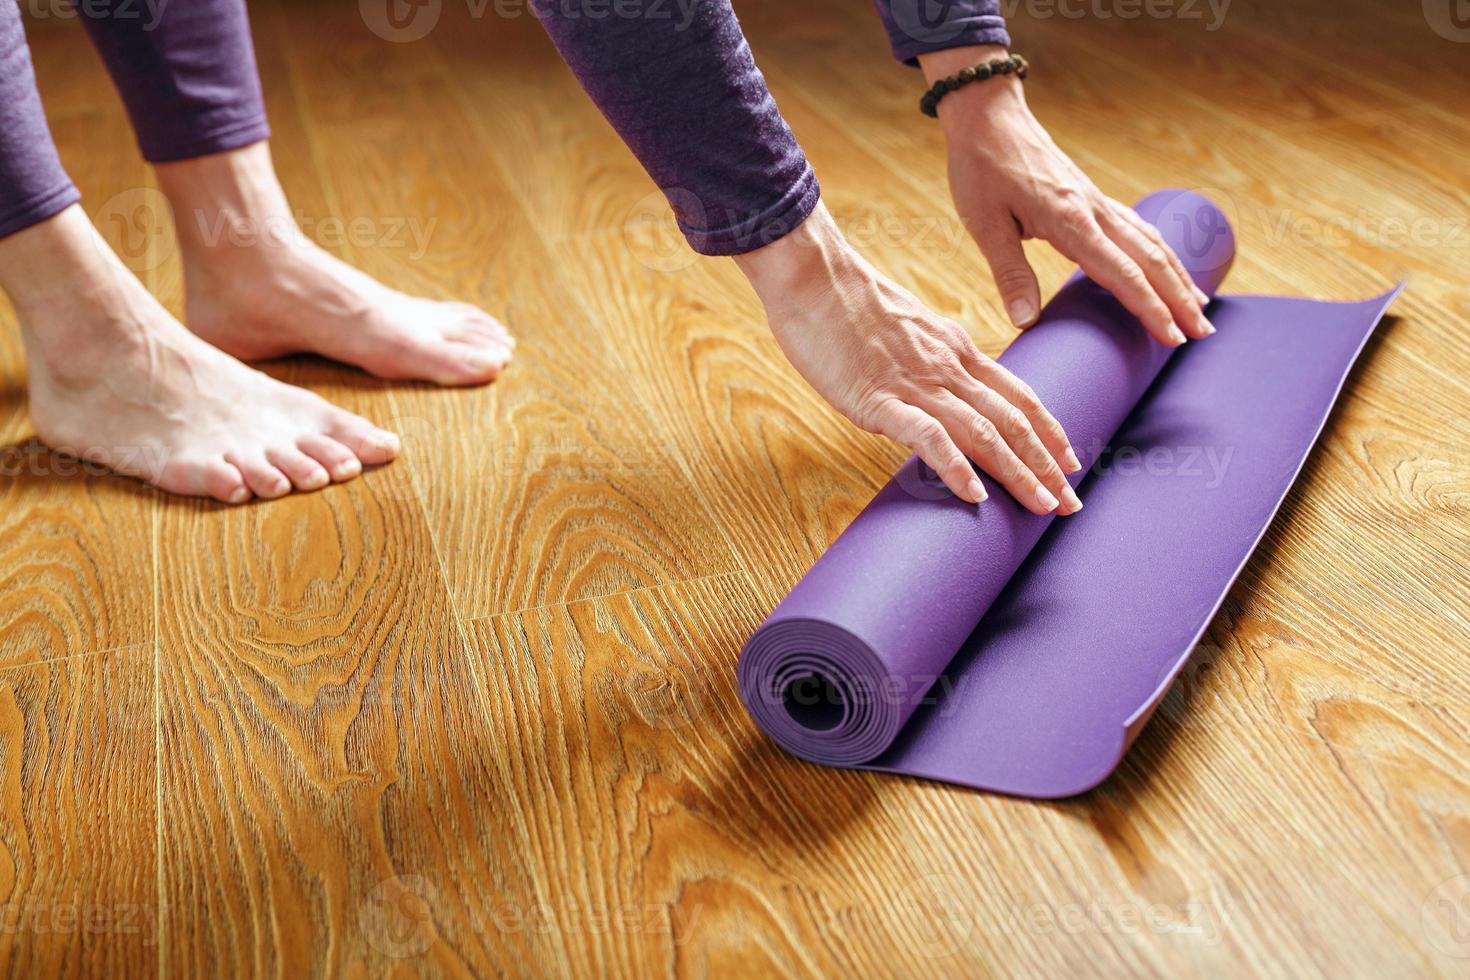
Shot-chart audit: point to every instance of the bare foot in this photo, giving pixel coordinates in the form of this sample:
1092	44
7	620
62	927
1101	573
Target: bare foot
116	380
258	288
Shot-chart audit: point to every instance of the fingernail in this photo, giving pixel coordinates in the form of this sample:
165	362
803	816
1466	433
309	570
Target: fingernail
1070	498
1045	499
1022	312
1070	462
976	490
1206	327
240	495
1202	296
1175	334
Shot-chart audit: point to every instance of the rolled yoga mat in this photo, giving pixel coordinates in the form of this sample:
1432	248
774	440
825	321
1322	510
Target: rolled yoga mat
987	646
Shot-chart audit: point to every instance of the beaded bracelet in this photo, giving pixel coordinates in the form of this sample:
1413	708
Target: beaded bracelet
1014	64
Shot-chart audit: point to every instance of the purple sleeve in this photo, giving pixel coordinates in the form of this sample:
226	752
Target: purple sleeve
33	185
186	70
917	27
678	83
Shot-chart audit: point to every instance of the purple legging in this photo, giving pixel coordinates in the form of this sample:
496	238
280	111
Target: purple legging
676	80
187	74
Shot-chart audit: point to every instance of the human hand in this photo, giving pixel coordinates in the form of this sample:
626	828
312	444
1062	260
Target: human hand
1011	182
892	366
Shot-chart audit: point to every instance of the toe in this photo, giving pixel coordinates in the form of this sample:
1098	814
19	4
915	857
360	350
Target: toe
304	472
481	322
370	444
463	359
264	479
204	478
223	481
336	458
478	361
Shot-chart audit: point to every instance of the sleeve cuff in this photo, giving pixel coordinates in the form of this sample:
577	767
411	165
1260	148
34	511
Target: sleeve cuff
910	41
776	221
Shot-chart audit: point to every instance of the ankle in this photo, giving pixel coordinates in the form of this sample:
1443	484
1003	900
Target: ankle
59	261
228	204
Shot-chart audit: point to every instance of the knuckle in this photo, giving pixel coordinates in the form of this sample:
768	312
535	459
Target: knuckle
946	363
984	436
1026	396
927	432
868	413
954	333
1012	277
1074	217
1014	424
1134	278
1154	256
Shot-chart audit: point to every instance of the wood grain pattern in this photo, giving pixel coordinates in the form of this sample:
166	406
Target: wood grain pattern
78	863
474	714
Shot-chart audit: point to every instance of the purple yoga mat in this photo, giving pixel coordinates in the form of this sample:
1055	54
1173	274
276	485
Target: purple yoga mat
986	646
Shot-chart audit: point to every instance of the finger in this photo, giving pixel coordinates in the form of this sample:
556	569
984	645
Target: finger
922	433
1027	472
1147	247
1111	268
1019	434
995	377
1000	242
1132	216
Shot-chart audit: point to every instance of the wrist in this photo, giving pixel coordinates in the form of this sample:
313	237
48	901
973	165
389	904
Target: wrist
800	266
977	103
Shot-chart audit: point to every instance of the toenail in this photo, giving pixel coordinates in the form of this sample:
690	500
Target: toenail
351	467
240	495
487	361
317	480
385	440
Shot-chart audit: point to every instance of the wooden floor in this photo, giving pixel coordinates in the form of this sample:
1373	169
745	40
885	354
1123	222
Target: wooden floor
475	713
